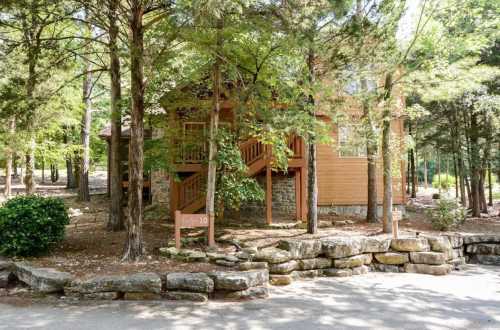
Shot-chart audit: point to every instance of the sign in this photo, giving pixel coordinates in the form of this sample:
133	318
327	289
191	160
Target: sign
193	221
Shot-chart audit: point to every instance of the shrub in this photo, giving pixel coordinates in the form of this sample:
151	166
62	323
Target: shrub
447	181
30	225
447	213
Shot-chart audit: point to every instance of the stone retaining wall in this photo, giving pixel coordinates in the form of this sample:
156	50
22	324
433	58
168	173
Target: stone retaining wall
251	270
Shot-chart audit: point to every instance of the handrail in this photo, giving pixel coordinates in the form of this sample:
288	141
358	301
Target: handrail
191	189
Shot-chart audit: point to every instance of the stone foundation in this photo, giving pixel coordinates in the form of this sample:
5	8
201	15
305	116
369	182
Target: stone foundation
160	190
353	210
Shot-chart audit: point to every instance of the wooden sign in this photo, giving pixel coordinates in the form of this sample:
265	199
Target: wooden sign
193	221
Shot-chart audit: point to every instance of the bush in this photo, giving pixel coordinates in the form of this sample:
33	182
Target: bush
30	225
447	213
447	181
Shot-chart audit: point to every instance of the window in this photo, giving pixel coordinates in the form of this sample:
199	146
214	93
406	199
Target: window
351	141
194	142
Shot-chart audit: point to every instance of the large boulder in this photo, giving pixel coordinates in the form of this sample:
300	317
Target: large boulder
429	258
482	238
193	282
43	280
354	261
301	274
483	248
273	255
410	244
301	249
258	292
439	243
283	268
341	247
237	281
315	263
392	258
376	244
140	282
428	269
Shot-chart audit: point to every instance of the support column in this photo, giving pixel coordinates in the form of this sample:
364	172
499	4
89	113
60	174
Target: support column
269	195
174	193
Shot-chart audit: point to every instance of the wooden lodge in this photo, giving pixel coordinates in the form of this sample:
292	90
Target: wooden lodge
342	168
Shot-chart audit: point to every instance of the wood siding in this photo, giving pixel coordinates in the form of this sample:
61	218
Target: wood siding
343	180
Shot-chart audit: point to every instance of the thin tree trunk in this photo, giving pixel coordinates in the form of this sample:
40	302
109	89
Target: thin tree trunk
116	221
490	186
43	170
83	187
475	170
455	171
29	180
413	174
70	178
439	172
371	156
214	125
9	160
134	245
461	171
312	180
387	159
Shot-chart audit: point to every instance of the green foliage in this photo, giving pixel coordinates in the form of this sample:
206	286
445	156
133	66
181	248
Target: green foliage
234	187
447	213
30	225
447	181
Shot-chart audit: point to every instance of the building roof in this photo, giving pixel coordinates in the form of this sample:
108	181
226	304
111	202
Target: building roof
105	133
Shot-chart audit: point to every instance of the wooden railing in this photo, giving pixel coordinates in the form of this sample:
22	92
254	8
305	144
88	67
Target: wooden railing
192	189
295	143
251	151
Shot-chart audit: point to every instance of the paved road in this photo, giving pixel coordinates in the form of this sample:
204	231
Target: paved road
469	299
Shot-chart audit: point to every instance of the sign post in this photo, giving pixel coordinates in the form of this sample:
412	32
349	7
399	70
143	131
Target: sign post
193	221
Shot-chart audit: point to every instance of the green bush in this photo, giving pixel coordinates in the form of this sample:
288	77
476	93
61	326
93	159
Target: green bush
30	225
447	213
447	181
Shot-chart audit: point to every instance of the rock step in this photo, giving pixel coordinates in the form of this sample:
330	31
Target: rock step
43	280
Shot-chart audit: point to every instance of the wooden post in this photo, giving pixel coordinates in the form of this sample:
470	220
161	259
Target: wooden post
174	196
269	195
178	220
298	197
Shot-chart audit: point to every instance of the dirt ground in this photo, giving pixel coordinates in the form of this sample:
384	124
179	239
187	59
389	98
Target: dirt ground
89	249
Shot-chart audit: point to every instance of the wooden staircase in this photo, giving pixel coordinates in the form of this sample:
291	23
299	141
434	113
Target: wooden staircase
189	195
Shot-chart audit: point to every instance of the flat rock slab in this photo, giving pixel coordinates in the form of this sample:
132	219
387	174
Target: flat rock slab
315	263
249	265
486	259
354	261
140	282
238	281
483	248
280	279
428	269
186	295
439	243
481	238
273	255
300	274
385	268
335	272
43	280
392	258
456	240
360	270
301	249
410	244
258	292
376	244
283	268
429	258
194	282
342	247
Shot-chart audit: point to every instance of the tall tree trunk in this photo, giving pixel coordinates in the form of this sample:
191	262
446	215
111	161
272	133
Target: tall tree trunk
9	160
475	168
312	180
43	170
116	221
214	124
426	183
83	188
413	174
439	172
371	156
386	156
134	245
70	178
461	171
455	172
29	180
